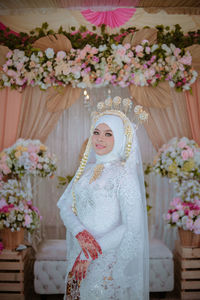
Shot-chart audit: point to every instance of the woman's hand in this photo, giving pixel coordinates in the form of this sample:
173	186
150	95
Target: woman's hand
88	244
80	267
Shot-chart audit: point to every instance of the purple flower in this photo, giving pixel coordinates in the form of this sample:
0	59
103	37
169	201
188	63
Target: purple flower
83	65
87	70
98	80
95	58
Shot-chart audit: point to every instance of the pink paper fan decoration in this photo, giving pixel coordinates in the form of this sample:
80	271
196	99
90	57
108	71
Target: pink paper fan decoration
112	18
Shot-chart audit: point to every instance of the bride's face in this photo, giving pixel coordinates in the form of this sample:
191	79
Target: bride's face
102	139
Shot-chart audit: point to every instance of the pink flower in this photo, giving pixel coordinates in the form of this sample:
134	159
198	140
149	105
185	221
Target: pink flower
176	201
186	59
9	62
94	50
184	155
127	46
175	217
60	55
87	48
121	51
32	148
196	226
139	48
12	73
3	165
182	144
28	220
189	224
148	50
39	166
187	154
2	203
9	54
168	216
177	51
33	157
5	68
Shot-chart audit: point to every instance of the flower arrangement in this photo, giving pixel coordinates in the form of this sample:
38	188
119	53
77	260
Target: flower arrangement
184	215
115	64
178	160
27	157
15	211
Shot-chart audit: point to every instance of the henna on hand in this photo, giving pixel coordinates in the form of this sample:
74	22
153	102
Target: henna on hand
88	244
79	269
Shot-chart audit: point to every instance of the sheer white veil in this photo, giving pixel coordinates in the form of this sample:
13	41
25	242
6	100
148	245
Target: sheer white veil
131	267
133	165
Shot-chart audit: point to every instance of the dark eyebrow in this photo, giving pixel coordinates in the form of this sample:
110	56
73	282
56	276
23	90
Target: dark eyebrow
108	130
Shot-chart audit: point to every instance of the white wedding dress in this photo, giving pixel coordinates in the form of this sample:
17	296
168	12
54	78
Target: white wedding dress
111	209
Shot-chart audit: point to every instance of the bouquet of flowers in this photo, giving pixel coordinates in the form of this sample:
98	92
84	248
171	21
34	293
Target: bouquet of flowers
27	157
184	215
178	160
15	211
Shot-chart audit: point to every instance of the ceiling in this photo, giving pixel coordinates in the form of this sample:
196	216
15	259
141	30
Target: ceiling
191	7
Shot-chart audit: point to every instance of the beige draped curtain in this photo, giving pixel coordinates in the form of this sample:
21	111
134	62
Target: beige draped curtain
41	110
166	123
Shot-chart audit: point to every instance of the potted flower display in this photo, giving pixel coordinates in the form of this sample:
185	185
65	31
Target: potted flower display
186	216
18	163
179	160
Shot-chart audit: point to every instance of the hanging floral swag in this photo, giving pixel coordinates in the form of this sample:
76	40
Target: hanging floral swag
108	62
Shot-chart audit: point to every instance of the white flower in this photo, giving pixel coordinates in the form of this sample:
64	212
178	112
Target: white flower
4	77
154	47
114	47
166	48
6	83
34	58
102	48
49	52
81	85
171	83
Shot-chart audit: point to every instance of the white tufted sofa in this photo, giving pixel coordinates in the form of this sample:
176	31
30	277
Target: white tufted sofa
50	267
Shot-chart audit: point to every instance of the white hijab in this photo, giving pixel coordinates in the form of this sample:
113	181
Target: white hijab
117	127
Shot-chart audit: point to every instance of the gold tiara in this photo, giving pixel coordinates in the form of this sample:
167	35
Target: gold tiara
117	103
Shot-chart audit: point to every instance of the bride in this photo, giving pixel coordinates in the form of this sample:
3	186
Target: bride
104	211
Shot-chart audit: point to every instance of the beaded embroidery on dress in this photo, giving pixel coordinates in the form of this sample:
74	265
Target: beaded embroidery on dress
111	206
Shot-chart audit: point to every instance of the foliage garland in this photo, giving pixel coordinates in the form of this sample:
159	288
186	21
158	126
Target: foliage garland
81	37
98	60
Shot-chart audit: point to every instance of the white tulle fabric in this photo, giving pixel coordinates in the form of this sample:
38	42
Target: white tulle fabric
113	210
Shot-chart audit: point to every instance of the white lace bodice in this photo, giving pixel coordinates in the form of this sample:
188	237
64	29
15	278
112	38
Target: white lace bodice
98	206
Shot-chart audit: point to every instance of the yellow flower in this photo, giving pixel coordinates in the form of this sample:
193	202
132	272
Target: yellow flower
18	154
19	148
43	148
188	166
173	168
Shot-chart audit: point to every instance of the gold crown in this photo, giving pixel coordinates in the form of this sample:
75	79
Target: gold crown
117	103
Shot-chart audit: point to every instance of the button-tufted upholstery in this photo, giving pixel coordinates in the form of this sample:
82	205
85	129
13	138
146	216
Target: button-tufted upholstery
161	267
50	267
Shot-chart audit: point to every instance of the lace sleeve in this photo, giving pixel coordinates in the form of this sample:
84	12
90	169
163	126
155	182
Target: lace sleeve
69	219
